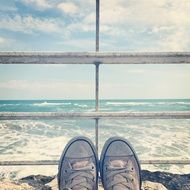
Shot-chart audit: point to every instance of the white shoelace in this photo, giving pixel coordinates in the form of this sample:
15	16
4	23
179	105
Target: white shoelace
119	175
80	178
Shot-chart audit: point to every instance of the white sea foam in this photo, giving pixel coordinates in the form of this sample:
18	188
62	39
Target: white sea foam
173	103
2	105
81	105
152	139
51	104
32	140
41	140
146	103
128	103
91	110
183	103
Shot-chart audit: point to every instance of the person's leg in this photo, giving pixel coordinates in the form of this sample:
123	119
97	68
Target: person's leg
78	166
119	165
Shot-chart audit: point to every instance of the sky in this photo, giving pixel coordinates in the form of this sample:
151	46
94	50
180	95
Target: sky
69	26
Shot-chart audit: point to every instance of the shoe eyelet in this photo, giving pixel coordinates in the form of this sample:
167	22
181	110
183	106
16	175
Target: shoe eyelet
65	171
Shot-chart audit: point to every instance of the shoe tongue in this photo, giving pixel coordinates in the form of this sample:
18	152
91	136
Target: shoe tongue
78	165
119	186
81	164
118	163
79	188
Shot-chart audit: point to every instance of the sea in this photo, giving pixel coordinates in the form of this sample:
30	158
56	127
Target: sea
45	139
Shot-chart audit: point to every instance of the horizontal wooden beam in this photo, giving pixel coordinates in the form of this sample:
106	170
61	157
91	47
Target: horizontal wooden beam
94	58
55	162
93	115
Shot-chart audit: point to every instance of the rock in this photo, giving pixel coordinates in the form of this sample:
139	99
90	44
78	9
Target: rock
38	181
10	185
41	179
151	181
147	185
53	184
170	181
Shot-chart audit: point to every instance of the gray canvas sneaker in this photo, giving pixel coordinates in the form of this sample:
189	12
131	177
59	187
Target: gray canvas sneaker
78	166
119	165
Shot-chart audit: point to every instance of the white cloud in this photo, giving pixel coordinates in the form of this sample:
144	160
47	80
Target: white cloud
45	89
83	44
90	18
14	84
76	44
3	40
29	24
145	25
52	66
177	40
68	8
110	31
40	4
33	24
149	12
169	81
167	21
137	71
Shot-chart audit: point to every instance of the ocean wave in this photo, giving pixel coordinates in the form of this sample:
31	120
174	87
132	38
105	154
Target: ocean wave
146	103
91	110
51	104
81	105
173	103
183	103
128	103
31	140
1	105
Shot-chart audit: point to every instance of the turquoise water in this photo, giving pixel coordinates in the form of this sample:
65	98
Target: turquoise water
45	139
88	105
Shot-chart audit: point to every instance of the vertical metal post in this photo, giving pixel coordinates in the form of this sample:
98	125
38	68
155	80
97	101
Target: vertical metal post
96	131
97	86
97	24
97	103
97	68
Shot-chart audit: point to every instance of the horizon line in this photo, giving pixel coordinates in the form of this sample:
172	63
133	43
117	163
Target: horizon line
99	99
